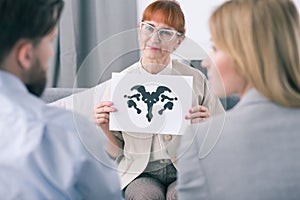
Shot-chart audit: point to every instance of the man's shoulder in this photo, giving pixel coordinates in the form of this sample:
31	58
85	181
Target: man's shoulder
73	129
66	119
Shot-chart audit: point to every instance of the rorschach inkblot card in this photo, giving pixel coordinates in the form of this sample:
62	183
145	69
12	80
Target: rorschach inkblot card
150	103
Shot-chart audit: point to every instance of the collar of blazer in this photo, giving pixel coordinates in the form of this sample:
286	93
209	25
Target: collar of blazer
252	96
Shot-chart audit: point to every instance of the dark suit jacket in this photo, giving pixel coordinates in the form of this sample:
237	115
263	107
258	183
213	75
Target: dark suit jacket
251	152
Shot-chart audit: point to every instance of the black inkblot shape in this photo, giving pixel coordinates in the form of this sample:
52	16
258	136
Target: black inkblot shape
150	99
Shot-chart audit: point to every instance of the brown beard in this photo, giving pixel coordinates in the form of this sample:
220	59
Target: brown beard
36	79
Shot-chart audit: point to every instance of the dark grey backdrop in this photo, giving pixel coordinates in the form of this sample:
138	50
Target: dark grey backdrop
86	24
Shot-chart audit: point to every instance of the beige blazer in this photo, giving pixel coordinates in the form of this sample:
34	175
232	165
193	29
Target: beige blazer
134	157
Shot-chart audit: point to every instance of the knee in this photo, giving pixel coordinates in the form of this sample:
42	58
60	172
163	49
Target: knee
172	192
144	188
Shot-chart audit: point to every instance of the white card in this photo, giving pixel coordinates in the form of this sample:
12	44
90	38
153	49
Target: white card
150	103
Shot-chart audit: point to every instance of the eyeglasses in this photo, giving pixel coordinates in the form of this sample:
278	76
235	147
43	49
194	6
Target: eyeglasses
163	34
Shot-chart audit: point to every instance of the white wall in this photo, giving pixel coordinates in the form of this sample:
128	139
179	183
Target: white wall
196	13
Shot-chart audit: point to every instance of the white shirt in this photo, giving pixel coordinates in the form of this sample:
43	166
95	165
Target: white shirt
49	153
158	147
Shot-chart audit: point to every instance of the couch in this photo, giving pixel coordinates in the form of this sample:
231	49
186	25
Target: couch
51	95
65	95
81	100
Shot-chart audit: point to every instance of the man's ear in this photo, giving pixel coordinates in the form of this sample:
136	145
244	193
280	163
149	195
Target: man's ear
24	53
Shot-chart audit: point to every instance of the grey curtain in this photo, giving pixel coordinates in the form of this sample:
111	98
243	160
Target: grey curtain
96	37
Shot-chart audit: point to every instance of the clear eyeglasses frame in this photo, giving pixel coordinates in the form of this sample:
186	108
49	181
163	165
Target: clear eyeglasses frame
163	34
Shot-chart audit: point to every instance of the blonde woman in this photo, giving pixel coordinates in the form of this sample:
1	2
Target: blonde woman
256	48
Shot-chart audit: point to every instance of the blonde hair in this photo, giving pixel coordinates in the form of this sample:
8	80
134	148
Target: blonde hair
263	38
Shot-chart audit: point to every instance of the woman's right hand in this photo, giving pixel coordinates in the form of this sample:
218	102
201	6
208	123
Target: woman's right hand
101	114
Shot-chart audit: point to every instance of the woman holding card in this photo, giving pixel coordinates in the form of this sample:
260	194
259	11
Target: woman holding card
147	162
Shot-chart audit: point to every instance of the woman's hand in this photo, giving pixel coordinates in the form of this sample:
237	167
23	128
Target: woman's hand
101	114
198	114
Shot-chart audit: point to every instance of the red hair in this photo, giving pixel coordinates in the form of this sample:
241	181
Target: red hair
167	12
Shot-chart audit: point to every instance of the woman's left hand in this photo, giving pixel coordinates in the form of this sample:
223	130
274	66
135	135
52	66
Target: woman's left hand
197	114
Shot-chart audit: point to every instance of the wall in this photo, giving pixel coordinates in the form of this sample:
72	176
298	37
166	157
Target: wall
196	14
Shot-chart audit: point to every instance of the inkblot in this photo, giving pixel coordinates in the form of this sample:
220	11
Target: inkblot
150	99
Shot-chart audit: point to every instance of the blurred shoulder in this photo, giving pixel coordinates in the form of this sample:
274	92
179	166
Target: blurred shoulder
66	119
78	127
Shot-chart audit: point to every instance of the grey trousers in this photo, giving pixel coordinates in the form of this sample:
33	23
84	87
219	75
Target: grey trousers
157	182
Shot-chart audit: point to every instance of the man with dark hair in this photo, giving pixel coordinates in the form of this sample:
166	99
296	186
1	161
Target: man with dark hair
45	152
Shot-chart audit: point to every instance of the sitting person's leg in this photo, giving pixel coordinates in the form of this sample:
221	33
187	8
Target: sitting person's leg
171	191
145	188
158	179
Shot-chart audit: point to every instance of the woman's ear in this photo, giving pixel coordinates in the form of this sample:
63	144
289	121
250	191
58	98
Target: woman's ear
179	41
24	53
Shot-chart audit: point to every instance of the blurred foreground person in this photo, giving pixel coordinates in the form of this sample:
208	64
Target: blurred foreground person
253	151
45	152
